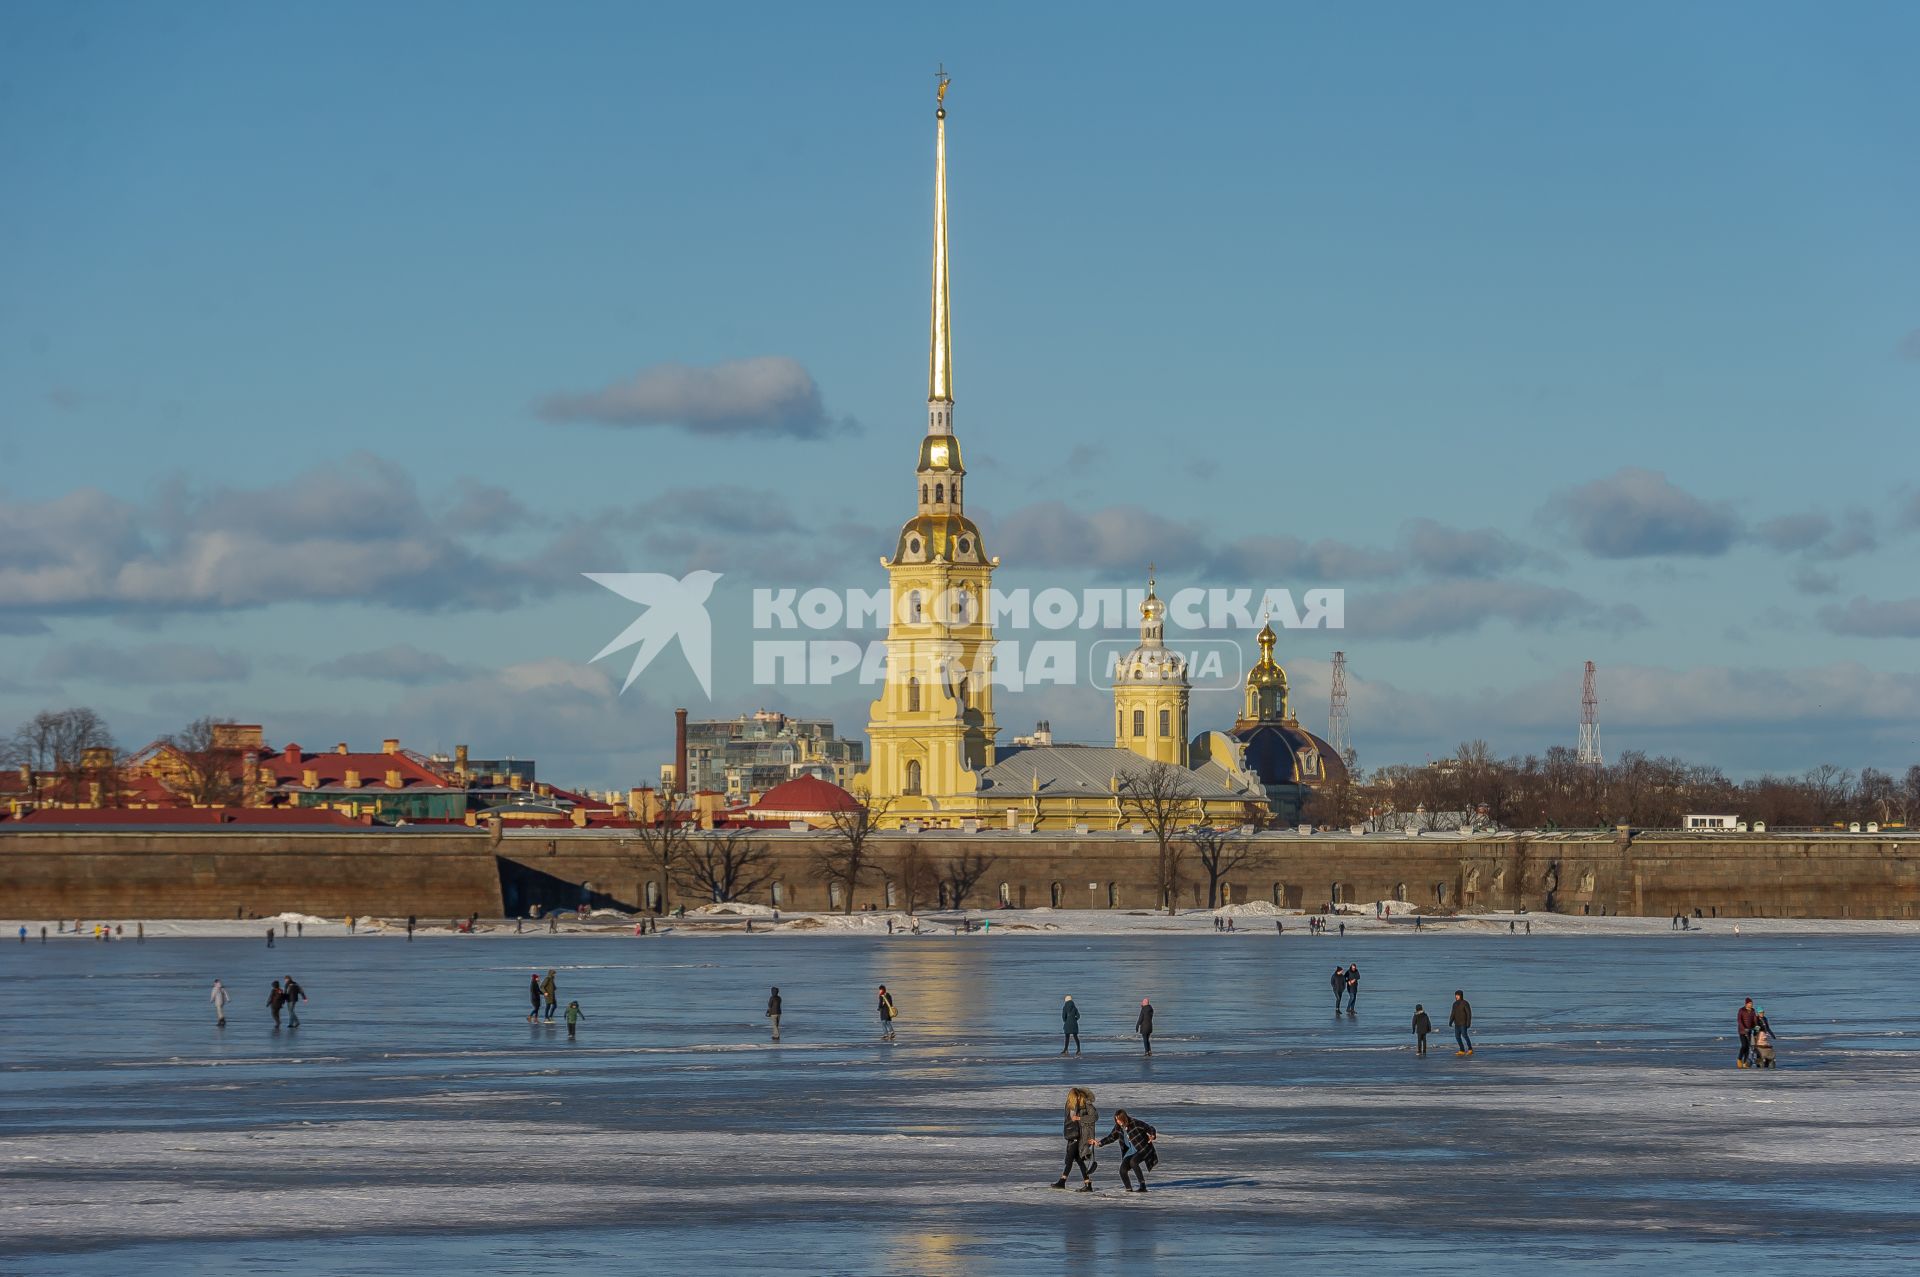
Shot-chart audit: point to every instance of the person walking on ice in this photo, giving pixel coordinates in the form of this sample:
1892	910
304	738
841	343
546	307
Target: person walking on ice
1339	987
550	991
1082	1121
1353	984
574	1016
1136	1148
1144	1027
1461	1018
275	1000
219	999
888	1012
1743	1022
295	996
773	1011
1422	1025
533	993
1070	1026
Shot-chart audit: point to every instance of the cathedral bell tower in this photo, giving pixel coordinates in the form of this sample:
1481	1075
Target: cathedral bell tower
1151	690
932	729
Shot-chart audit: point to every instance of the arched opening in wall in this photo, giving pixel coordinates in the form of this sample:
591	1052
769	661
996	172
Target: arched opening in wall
1023	895
1335	895
913	776
778	895
1113	895
833	895
939	492
1440	894
913	692
913	607
1226	893
1139	722
652	893
1006	895
1053	895
892	901
1279	895
1472	889
1400	892
942	888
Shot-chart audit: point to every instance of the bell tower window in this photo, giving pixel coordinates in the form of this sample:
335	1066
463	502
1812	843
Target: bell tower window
913	693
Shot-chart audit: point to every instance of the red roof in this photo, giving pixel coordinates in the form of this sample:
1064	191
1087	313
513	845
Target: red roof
806	793
188	816
290	765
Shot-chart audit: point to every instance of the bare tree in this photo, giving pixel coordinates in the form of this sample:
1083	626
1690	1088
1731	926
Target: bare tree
847	856
208	764
726	864
964	873
66	744
1160	797
666	845
918	879
1222	852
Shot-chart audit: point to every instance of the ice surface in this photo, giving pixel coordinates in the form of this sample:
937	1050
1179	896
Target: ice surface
417	1122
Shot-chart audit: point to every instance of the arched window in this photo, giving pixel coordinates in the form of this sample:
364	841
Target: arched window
1279	895
653	897
890	896
923	494
913	692
1226	893
943	894
1053	895
939	492
913	607
1440	893
1113	895
1006	894
913	776
779	895
833	895
1400	892
1166	722
1139	722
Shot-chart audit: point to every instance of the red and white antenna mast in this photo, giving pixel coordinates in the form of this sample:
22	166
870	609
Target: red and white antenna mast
1589	722
1337	731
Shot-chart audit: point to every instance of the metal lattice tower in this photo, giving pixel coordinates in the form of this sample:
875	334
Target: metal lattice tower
1337	730
1589	721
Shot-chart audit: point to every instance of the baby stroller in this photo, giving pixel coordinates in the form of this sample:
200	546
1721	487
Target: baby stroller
1762	1049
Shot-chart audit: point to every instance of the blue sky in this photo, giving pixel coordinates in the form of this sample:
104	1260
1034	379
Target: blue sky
1549	335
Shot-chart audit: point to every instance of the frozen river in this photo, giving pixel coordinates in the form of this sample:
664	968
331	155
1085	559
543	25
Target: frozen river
417	1122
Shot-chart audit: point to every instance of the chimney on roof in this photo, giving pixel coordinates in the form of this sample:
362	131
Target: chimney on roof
393	778
680	751
341	748
391	745
292	752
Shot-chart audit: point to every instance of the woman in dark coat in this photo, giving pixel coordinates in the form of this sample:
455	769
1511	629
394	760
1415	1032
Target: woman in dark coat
1135	1138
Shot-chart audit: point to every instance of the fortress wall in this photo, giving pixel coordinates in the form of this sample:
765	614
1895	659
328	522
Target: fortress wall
203	874
213	874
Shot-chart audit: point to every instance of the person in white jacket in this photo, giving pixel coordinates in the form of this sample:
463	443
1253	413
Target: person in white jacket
219	997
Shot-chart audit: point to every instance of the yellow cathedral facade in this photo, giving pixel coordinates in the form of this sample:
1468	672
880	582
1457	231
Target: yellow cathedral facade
934	757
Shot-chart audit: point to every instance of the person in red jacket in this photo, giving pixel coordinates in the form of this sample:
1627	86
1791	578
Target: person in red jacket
1744	1022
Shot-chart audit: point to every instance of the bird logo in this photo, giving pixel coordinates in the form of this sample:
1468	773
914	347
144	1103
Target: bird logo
673	608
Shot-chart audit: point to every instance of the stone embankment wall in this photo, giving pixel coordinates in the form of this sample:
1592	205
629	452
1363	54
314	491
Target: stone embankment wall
202	874
178	874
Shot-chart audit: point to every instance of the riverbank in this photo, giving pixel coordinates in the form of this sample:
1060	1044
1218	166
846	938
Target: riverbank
1249	921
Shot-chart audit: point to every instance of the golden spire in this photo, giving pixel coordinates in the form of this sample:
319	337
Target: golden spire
940	353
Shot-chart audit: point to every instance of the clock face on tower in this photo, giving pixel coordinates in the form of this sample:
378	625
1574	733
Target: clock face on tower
937	454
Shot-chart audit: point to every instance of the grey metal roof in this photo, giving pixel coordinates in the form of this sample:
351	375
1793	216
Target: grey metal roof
1088	771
